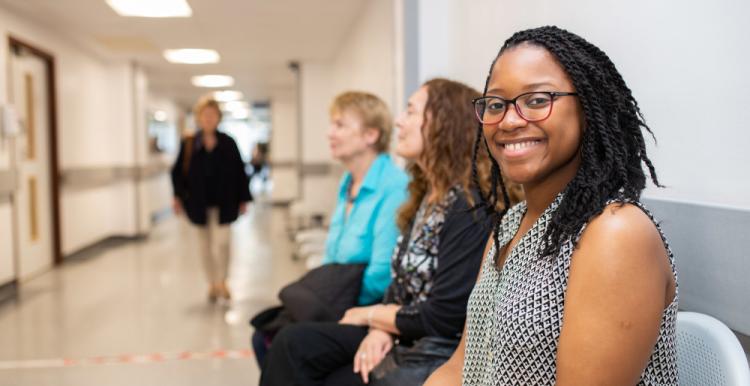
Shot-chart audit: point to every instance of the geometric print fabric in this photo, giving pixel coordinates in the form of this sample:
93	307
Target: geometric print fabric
514	316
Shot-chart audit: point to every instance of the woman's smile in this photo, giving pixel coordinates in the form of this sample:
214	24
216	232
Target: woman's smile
517	149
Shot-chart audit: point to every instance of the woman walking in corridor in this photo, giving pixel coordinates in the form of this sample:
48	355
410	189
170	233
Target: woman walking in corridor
211	187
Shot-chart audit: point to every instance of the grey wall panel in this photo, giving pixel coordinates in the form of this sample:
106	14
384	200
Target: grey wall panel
87	178
411	47
316	169
711	249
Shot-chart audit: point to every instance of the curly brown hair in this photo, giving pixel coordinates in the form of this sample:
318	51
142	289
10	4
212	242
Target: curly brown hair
449	133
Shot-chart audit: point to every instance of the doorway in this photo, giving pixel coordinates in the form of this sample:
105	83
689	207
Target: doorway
36	200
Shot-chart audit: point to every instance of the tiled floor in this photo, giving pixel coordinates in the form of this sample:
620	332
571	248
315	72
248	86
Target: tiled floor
146	297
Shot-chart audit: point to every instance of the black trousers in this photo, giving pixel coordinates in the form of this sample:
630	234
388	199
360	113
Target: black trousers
307	354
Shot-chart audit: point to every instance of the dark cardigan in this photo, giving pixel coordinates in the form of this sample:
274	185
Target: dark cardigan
231	182
461	243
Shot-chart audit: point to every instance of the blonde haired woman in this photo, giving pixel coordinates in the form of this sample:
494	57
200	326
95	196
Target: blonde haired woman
363	224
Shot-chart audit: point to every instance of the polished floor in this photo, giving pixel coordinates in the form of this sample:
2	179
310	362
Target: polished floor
137	314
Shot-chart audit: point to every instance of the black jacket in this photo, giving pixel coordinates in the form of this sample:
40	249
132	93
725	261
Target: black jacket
459	258
321	295
233	185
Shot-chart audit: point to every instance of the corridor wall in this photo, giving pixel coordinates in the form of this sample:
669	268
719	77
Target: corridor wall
685	62
101	137
285	145
365	61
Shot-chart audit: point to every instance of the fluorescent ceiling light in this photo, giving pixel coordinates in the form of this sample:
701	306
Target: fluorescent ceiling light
235	106
191	56
151	8
227	96
212	81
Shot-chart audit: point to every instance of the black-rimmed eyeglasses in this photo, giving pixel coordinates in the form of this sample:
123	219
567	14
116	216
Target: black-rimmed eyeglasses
531	106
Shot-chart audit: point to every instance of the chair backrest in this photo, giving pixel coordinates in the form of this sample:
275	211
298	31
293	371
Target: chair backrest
708	353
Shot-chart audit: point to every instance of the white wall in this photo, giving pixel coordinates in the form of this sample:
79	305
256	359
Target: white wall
366	58
96	131
155	192
7	268
92	214
96	107
317	91
284	146
95	112
365	61
684	60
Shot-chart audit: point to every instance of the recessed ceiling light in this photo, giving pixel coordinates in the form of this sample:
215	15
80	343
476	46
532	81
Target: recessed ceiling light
212	81
227	96
151	8
192	56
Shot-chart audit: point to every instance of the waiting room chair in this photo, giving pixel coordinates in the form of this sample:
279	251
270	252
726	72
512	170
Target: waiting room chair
708	353
302	216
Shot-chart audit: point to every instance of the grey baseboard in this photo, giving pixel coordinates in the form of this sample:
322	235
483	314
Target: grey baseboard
87	178
8	292
97	248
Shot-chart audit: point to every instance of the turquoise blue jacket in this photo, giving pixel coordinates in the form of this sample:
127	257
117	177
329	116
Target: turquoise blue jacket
369	234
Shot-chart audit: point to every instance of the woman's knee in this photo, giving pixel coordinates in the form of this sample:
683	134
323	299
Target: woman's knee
290	337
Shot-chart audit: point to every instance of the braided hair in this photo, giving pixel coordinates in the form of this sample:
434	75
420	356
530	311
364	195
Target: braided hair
612	149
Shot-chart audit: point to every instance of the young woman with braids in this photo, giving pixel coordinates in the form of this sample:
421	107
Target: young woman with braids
578	286
433	267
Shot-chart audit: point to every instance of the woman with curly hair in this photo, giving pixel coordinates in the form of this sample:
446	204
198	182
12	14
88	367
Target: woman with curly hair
578	286
433	266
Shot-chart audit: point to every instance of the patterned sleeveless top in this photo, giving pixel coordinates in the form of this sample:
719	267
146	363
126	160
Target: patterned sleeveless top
514	316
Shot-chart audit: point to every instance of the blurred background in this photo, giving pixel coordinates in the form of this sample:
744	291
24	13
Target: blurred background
99	282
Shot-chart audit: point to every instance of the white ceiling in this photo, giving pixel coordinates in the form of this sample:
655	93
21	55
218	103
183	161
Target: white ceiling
255	38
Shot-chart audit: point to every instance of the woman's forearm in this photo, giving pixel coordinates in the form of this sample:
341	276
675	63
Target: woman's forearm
383	317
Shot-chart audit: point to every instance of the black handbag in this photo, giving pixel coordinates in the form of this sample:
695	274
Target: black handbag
413	365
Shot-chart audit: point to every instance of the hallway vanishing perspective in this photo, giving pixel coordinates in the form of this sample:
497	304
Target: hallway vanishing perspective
135	312
140	140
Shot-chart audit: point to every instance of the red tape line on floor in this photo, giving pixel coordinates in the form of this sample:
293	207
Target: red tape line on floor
125	359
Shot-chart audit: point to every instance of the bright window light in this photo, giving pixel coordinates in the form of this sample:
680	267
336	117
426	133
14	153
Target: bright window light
227	96
240	114
212	81
235	106
192	56
160	116
151	8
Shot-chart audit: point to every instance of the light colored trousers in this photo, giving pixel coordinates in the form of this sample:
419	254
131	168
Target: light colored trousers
214	241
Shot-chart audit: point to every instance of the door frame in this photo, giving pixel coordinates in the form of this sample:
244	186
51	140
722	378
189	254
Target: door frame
54	174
